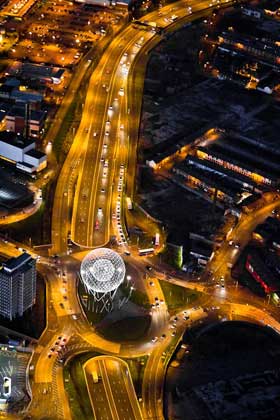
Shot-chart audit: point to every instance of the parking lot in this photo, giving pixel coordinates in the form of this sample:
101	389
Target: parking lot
58	33
13	365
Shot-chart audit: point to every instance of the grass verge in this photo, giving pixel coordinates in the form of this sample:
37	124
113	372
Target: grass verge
76	387
128	329
178	297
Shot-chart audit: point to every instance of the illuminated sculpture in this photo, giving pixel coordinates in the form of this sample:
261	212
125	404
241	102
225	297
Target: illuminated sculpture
102	272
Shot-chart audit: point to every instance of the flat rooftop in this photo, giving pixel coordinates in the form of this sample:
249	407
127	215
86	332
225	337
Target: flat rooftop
251	155
16	263
14	139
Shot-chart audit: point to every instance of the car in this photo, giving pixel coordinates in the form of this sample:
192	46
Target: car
105	146
173	333
231	243
163	336
154	339
237	245
52	349
102	190
49	355
74	317
60	337
100	210
107	133
151	283
121	91
149	268
65	297
94	134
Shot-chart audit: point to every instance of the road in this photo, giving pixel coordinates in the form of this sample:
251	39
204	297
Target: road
113	396
87	183
240	235
83	186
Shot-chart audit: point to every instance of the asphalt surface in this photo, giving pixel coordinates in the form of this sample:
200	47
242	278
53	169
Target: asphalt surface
83	164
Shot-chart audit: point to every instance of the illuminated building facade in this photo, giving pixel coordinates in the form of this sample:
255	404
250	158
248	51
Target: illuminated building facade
17	286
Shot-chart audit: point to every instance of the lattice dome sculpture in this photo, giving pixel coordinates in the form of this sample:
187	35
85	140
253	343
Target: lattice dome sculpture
102	272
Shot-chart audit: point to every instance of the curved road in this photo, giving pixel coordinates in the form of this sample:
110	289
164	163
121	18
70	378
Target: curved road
83	185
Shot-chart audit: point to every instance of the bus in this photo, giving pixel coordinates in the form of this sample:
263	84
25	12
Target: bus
146	251
129	203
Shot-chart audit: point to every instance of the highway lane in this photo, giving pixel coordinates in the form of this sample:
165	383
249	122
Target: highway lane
104	345
93	170
90	167
64	195
154	374
112	395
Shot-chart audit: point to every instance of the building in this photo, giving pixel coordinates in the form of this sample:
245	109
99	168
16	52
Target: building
19	120
252	12
264	268
13	195
106	3
45	74
201	250
249	157
18	286
16	149
268	232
